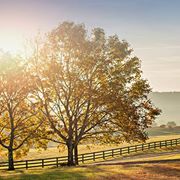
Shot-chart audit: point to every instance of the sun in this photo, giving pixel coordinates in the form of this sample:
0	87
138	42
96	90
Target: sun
11	42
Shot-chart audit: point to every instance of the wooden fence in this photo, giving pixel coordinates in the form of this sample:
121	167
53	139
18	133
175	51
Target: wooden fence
93	156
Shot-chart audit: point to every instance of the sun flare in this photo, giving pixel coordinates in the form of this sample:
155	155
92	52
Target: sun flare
10	42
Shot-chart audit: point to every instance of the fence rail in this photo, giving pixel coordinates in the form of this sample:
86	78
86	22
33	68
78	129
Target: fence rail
93	156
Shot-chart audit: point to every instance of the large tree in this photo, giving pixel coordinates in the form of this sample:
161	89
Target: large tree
90	87
171	124
19	117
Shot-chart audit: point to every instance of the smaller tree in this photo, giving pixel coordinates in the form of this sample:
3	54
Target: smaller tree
171	124
18	123
162	126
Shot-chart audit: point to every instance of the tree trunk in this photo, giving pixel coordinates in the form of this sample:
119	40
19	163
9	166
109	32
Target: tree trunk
70	154
76	154
10	159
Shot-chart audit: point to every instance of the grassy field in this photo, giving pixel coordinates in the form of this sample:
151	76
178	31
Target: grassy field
172	153
114	169
55	152
161	171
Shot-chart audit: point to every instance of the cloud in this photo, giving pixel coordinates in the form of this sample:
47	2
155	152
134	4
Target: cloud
157	47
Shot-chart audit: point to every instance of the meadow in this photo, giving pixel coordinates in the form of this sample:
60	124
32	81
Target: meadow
101	172
117	168
155	134
85	148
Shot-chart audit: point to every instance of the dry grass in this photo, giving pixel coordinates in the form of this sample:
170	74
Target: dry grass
117	169
55	152
161	171
157	155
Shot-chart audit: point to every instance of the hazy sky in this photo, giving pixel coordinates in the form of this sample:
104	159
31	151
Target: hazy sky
152	27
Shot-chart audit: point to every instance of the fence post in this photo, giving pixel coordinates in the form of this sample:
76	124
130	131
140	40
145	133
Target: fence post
26	164
82	158
128	150
57	161
93	156
142	147
166	143
135	147
103	155
120	151
112	152
42	163
171	142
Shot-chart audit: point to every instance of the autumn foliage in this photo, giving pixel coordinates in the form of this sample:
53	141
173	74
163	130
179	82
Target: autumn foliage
77	87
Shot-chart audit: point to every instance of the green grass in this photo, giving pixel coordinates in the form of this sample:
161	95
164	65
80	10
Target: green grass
112	171
103	172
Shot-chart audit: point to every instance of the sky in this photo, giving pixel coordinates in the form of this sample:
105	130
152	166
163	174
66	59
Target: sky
150	26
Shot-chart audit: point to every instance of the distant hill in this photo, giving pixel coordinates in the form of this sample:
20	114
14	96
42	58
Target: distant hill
157	131
169	103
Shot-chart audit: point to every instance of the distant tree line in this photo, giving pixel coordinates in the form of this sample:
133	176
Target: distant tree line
75	87
170	124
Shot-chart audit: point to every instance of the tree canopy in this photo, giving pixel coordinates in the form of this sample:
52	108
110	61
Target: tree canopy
76	87
90	87
19	117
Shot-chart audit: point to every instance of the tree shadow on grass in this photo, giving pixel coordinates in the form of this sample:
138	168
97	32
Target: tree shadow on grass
64	173
168	171
52	174
164	170
107	174
118	176
75	173
5	174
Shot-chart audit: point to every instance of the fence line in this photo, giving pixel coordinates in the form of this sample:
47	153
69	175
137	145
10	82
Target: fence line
93	156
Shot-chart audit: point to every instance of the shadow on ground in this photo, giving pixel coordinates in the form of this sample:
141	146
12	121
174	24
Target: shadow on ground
160	171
